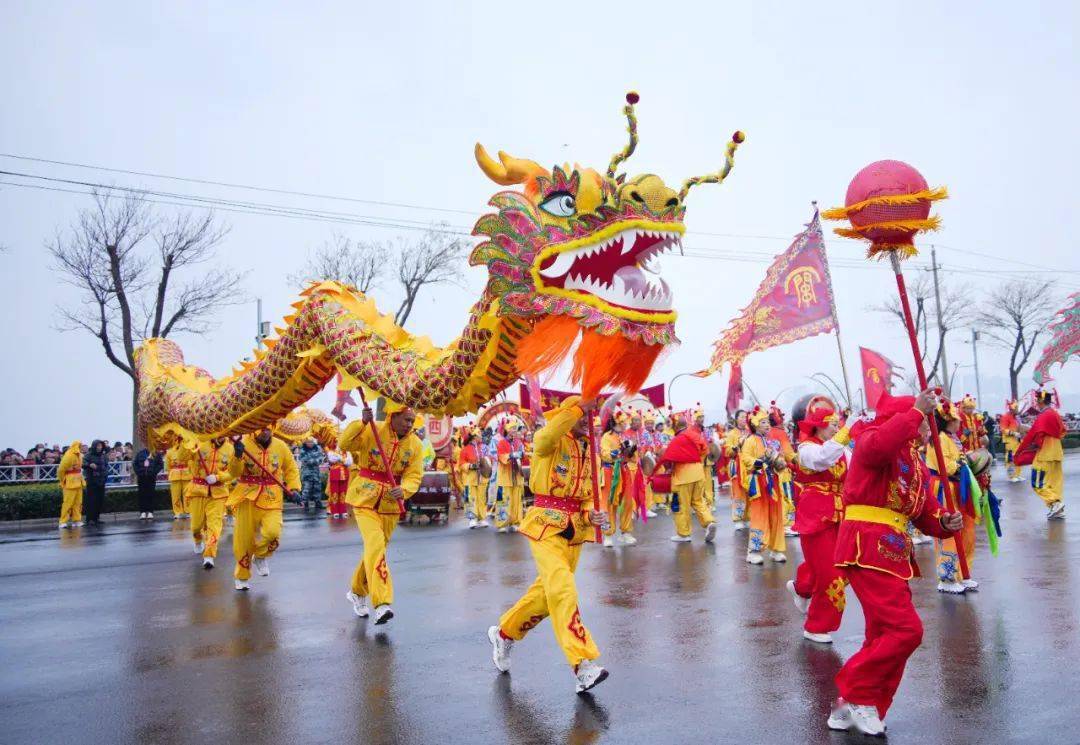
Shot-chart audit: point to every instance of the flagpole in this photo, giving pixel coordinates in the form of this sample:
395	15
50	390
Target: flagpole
843	365
832	307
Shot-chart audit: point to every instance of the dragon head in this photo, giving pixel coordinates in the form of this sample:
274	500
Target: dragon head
576	253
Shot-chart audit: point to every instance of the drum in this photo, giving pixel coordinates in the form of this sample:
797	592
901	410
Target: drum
979	460
648	463
660	483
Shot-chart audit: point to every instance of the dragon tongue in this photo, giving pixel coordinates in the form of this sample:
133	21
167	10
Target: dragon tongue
633	280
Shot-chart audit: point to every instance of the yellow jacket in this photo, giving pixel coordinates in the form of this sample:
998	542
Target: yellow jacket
468	475
211	460
69	471
367	487
253	484
504	475
561	467
949	450
178	462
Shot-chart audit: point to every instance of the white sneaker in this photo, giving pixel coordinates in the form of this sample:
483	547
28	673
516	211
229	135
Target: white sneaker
740	525
208	562
791	533
608	542
242	584
628	540
953	588
262	566
63	526
754	557
483	524
1056	511
500	649
177	516
650	513
778	557
504	529
840	716
383	613
710	532
198	548
149	515
142	515
969	584
588	675
819	638
513	528
359	604
680	538
473	523
866	720
803	604
78	524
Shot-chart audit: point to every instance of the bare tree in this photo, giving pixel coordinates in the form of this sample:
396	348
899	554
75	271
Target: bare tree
956	311
1014	315
124	260
361	264
433	258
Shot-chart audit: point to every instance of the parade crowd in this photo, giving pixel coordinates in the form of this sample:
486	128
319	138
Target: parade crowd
857	493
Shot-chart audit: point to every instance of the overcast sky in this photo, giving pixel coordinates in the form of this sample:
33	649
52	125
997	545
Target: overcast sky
384	101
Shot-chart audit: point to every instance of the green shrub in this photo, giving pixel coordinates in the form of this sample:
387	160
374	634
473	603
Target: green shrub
27	501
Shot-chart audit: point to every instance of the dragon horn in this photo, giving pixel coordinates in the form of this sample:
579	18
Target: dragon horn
719	176
509	170
631	126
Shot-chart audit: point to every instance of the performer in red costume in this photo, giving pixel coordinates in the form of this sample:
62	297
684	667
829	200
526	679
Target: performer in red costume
820	470
886	486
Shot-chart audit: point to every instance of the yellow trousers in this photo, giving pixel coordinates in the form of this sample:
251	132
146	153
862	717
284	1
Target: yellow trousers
1048	480
710	488
948	567
372	574
178	490
508	505
691	500
71	508
476	502
766	524
249	521
207	516
1012	470
553	593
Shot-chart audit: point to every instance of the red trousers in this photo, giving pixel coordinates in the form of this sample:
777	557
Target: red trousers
819	579
893	632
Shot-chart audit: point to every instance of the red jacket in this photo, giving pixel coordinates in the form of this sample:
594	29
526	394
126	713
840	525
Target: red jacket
888	471
1047	424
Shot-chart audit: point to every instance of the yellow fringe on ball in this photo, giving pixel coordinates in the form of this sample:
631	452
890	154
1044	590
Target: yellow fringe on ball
908	226
927	195
880	250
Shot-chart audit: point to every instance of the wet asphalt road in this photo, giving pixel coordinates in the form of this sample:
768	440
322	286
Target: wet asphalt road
122	637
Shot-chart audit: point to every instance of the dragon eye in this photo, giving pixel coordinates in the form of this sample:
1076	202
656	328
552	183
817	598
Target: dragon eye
560	204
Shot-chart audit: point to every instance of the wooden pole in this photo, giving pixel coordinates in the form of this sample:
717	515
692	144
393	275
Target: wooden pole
595	461
935	439
382	452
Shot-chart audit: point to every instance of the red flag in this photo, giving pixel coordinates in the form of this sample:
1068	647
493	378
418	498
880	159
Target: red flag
549	398
794	301
734	389
877	375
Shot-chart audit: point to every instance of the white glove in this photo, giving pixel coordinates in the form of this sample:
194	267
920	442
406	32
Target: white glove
348	460
211	479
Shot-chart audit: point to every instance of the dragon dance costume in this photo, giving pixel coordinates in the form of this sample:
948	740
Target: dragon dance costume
178	467
557	525
820	472
376	511
886	486
257	500
206	496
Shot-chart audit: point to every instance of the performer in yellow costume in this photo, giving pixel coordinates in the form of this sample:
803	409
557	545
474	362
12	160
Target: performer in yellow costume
262	465
760	463
1010	438
709	461
687	451
558	523
473	484
948	567
206	497
733	440
72	484
510	478
178	466
616	496
375	501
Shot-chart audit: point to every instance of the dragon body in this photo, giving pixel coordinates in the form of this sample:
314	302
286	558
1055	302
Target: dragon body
571	274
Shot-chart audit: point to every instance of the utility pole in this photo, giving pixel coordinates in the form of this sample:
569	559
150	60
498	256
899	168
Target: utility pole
975	355
262	329
941	324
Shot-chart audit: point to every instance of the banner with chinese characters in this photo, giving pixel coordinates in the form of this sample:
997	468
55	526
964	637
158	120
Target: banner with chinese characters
794	301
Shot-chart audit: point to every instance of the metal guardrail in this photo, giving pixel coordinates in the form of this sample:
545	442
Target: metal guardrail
119	474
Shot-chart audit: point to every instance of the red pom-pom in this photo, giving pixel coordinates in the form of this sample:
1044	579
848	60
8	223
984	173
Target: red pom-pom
738	137
632	97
